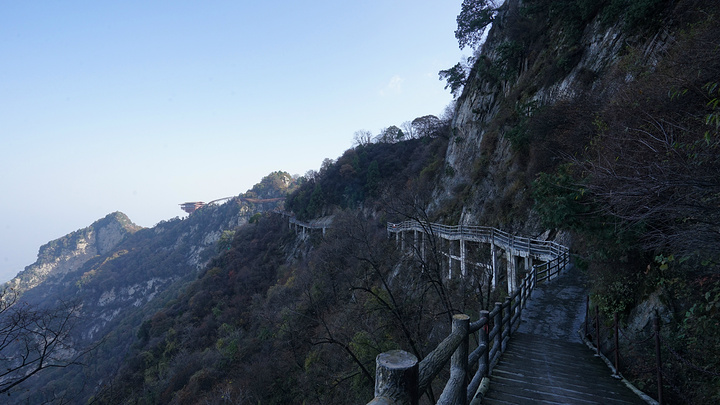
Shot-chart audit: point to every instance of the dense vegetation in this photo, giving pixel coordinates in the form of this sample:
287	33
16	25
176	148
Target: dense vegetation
645	194
627	163
110	294
628	160
277	320
275	185
363	173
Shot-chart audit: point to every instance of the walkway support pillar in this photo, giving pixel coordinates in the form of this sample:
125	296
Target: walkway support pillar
658	359
463	266
511	272
449	250
495	267
528	262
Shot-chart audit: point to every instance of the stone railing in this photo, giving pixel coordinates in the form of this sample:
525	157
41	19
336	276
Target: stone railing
517	245
402	379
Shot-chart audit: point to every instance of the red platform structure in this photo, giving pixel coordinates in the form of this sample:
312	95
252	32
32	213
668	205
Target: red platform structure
191	207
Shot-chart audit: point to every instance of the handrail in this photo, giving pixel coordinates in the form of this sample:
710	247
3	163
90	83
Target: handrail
535	247
405	382
401	379
308	225
292	220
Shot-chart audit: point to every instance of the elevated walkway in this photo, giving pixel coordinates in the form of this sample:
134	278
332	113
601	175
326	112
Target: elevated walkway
539	370
520	252
546	361
524	351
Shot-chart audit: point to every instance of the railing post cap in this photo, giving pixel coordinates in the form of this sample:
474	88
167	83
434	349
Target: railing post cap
396	360
396	377
461	317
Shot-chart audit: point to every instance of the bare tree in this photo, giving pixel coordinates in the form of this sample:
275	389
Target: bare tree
33	339
664	176
362	138
408	130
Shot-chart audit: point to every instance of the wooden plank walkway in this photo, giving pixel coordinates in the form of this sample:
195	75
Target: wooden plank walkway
537	370
546	361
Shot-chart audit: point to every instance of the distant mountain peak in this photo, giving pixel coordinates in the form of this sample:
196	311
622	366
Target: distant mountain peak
71	251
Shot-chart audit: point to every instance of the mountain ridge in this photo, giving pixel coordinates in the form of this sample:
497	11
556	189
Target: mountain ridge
70	252
112	279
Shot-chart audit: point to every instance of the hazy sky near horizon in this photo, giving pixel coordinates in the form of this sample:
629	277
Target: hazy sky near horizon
137	106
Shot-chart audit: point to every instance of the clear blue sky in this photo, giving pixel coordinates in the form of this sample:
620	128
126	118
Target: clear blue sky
137	106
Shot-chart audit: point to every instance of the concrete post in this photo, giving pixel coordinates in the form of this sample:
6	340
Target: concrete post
511	272
484	361
449	250
396	378
495	270
497	340
527	263
463	267
456	390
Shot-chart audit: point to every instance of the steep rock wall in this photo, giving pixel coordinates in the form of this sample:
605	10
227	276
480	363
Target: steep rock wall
486	173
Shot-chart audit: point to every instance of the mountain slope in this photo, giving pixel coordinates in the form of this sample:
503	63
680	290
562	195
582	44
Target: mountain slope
69	253
302	321
115	281
598	120
562	93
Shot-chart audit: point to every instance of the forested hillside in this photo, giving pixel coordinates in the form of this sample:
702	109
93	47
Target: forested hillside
597	122
276	319
89	307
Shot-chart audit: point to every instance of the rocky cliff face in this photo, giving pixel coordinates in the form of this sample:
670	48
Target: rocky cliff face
530	66
607	116
69	253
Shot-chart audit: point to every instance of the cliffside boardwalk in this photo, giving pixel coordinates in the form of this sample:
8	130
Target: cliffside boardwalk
520	252
538	365
547	362
303	228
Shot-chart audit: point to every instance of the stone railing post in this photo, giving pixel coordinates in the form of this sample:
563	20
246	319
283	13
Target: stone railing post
457	384
498	321
484	361
396	378
509	316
